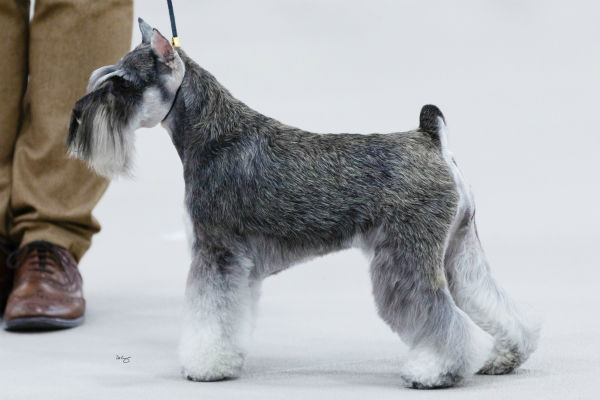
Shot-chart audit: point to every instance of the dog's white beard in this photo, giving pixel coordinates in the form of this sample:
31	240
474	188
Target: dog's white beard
111	152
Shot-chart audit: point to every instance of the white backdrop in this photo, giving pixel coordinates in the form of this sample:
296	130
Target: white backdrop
518	83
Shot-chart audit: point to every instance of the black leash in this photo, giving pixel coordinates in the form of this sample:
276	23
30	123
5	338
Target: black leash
175	40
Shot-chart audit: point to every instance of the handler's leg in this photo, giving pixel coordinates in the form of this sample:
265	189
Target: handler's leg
52	195
14	20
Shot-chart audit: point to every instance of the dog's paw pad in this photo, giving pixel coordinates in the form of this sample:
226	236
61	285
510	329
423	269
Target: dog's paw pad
208	378
441	382
213	367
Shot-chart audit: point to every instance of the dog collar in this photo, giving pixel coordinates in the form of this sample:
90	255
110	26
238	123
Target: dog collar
172	105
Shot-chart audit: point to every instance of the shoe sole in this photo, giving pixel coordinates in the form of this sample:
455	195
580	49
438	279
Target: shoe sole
41	323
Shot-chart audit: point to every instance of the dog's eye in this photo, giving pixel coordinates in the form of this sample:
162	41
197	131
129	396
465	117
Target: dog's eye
128	79
126	75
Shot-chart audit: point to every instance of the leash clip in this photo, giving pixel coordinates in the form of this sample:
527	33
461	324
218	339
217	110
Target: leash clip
175	40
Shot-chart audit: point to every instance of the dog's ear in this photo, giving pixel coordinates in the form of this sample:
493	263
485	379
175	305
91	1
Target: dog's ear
146	31
161	47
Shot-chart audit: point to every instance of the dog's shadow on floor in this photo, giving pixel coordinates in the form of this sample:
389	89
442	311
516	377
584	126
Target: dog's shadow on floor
274	371
382	372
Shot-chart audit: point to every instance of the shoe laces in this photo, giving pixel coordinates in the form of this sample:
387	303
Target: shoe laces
46	253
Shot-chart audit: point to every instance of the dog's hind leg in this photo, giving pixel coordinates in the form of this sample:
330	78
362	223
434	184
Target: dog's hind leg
413	298
218	312
477	293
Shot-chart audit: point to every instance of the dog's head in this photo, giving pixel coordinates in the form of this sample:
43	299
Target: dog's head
136	92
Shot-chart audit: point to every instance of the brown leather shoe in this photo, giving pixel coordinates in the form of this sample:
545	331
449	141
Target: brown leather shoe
47	291
5	276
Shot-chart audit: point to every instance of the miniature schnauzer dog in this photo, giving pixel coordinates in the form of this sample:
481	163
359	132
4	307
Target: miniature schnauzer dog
262	196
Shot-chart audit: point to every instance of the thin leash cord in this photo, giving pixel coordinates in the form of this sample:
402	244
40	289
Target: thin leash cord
175	40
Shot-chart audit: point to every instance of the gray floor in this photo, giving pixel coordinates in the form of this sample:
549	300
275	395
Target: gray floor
518	82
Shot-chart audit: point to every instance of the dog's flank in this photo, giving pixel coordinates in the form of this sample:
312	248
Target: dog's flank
262	196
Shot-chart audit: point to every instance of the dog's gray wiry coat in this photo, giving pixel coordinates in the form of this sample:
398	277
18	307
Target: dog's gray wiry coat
262	196
253	180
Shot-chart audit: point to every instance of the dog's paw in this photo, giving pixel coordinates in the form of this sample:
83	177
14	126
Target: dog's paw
438	382
426	372
426	369
502	362
513	349
432	368
212	366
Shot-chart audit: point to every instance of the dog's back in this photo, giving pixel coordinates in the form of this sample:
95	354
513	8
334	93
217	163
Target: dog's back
266	178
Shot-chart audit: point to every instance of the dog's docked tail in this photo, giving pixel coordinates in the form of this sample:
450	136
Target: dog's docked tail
432	122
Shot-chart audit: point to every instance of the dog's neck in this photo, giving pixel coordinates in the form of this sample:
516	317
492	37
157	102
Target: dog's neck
203	112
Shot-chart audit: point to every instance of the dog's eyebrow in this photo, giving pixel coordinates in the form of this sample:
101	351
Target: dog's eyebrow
94	85
97	74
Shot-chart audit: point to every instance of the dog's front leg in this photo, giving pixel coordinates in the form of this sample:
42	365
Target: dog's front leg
217	316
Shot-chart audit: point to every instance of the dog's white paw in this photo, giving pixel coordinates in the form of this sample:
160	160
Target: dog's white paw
429	369
212	365
425	370
503	361
513	347
506	358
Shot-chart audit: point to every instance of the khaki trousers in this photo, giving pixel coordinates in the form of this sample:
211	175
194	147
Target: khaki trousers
44	67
